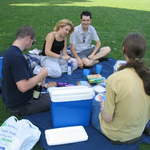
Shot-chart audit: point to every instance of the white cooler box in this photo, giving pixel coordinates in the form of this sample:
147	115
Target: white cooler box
71	106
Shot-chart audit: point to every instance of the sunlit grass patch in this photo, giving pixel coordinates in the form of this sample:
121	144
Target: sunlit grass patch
140	4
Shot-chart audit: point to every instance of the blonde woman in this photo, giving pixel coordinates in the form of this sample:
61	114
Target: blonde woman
54	49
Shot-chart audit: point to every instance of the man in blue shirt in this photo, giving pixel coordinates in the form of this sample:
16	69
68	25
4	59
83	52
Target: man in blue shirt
18	81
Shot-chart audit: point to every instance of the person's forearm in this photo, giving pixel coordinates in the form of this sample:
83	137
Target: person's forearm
32	82
97	47
104	114
76	56
65	48
25	85
52	54
65	51
74	53
94	51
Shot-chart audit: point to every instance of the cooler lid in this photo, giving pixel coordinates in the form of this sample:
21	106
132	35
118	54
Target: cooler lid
65	135
70	93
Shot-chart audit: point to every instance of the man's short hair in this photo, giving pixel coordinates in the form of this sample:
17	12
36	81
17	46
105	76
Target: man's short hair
25	31
85	13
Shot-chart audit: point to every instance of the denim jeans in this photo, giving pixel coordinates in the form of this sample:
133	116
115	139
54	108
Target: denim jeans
95	115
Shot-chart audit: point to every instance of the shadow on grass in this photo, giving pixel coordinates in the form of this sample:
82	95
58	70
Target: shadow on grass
112	24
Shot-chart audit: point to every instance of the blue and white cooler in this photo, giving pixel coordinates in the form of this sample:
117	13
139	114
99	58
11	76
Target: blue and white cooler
71	106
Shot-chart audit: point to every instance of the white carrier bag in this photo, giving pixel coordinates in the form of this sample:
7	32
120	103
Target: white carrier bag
18	134
118	64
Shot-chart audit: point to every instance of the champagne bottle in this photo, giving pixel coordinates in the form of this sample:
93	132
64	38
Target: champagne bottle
37	91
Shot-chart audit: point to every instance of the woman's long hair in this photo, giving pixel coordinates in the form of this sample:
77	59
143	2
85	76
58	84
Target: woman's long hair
134	46
63	23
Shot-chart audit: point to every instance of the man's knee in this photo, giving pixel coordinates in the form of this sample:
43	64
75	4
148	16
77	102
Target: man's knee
106	49
87	62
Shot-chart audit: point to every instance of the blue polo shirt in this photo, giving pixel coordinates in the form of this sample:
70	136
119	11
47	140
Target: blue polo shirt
15	68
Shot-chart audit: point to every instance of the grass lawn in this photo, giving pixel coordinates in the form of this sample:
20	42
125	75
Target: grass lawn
113	19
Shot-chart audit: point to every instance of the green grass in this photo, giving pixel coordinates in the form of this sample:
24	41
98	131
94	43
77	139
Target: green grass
113	19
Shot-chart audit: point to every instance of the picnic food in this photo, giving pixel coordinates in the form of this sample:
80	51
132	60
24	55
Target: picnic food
95	78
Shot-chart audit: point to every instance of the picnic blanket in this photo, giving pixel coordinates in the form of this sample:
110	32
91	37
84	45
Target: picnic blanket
96	140
77	75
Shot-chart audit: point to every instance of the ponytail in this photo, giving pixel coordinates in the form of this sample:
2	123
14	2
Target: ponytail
134	46
141	70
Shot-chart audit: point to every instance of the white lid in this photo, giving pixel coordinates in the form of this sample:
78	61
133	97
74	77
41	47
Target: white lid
70	93
65	135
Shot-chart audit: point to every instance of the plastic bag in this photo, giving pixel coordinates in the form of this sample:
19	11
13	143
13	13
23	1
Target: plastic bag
18	134
118	64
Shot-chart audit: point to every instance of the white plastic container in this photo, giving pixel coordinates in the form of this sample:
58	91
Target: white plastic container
65	135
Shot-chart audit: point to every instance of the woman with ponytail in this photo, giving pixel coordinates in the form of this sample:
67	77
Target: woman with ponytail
127	108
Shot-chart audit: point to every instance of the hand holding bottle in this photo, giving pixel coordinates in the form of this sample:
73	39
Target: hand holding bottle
43	72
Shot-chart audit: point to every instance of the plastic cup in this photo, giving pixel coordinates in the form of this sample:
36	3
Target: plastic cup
98	68
86	72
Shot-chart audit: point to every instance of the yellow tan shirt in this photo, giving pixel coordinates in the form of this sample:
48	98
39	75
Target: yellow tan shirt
129	105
